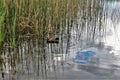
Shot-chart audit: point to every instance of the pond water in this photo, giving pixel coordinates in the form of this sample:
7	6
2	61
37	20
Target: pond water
56	62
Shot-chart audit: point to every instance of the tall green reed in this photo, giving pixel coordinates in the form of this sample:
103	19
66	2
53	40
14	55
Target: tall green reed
27	21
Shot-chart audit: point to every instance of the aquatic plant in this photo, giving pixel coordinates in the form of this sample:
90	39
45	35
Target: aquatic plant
25	26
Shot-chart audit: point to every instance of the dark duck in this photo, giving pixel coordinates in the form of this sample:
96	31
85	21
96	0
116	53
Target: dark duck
53	40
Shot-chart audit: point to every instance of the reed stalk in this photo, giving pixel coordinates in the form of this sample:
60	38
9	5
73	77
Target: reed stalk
24	21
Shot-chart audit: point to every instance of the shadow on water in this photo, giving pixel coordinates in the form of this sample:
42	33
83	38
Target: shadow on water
96	70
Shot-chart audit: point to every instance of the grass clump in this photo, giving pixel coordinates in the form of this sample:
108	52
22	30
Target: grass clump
25	25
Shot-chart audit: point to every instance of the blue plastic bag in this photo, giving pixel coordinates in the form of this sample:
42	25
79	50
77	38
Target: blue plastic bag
83	57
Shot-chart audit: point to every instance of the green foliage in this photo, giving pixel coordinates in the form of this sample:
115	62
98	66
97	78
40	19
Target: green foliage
2	35
13	37
2	18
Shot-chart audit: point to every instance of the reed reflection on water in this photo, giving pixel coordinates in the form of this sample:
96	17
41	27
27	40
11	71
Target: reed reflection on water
95	25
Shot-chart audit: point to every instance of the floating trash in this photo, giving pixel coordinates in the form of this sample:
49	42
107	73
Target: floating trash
83	57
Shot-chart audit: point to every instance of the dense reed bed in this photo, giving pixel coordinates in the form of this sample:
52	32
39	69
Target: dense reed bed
26	24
